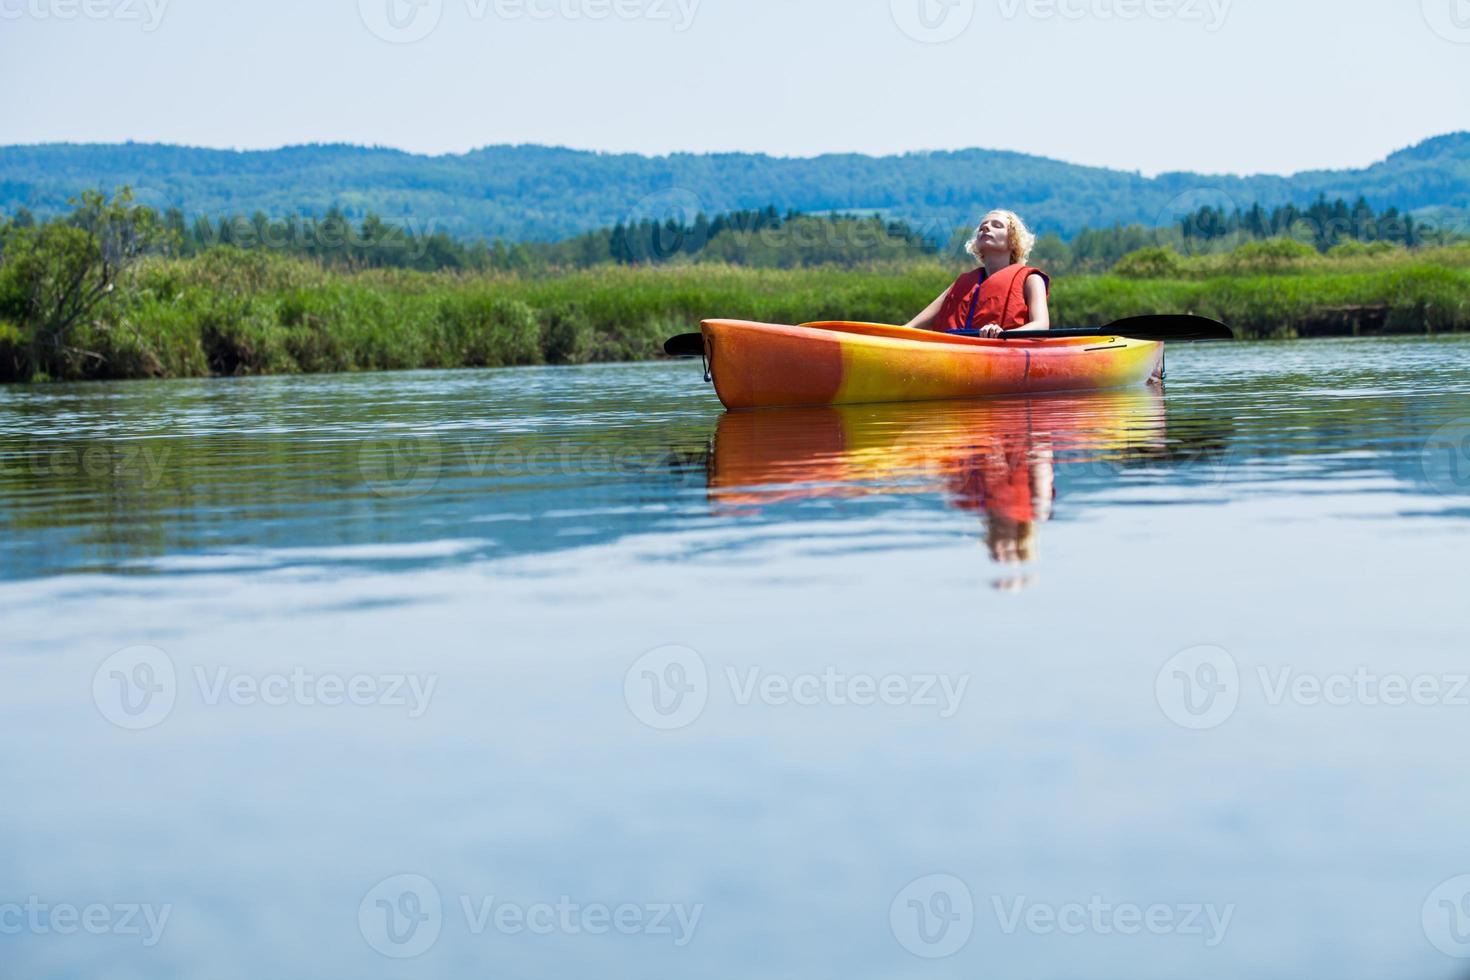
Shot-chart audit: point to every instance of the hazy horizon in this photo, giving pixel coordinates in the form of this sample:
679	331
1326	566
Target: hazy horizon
673	153
1209	86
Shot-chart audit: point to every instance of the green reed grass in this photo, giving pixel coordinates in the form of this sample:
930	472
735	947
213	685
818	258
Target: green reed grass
237	312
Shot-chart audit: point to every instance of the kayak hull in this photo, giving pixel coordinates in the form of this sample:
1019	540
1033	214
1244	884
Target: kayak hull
764	365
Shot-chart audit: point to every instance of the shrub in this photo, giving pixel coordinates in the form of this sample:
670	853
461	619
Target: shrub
485	330
1150	263
1270	255
568	336
57	278
1356	249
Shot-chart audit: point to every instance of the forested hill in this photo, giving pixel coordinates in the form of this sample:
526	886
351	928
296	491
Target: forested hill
545	193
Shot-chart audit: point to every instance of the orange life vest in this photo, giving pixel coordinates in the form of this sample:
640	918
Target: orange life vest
978	300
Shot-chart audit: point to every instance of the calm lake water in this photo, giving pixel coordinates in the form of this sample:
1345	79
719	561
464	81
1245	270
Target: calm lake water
566	672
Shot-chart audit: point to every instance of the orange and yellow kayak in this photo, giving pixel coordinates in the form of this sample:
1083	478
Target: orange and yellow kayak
759	365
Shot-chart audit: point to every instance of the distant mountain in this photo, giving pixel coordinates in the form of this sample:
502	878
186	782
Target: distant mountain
545	193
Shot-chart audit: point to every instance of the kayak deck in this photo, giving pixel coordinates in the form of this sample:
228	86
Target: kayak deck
759	365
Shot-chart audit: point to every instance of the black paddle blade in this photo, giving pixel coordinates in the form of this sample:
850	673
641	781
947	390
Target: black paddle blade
685	345
1171	326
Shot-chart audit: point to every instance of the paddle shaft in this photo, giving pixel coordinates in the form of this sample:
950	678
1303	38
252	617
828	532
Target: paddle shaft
1175	327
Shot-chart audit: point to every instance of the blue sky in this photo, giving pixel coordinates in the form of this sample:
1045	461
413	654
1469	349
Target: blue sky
1209	85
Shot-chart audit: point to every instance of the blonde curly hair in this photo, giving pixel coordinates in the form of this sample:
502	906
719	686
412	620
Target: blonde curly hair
1022	241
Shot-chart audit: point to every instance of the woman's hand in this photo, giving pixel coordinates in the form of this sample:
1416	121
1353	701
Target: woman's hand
991	331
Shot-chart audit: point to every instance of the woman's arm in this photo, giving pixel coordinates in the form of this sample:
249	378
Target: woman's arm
925	320
1036	303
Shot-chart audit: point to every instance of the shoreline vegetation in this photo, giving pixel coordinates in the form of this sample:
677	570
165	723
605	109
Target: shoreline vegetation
100	295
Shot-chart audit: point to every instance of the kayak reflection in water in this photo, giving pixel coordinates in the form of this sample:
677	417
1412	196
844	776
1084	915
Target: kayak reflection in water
1003	293
999	457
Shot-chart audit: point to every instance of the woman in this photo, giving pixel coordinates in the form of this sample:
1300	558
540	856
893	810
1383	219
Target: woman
1004	293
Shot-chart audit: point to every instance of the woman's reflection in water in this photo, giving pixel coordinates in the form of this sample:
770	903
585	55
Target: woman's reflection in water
1013	482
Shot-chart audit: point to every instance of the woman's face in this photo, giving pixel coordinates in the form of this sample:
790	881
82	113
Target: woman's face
995	233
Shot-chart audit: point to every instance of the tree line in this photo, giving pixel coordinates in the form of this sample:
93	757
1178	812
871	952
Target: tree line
764	237
1324	225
